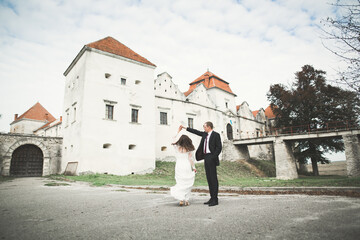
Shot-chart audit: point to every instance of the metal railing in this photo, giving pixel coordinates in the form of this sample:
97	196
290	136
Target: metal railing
302	129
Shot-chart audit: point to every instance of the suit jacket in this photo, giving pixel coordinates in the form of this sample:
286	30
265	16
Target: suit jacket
214	145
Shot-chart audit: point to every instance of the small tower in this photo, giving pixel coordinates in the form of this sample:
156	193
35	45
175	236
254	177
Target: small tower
108	124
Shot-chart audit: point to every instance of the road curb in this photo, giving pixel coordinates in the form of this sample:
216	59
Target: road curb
331	191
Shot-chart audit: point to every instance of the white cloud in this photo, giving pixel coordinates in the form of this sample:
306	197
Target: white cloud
250	44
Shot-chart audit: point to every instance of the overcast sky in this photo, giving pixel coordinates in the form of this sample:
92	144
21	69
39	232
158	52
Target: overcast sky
251	44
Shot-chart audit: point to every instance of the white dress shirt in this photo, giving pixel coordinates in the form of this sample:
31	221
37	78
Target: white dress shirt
207	143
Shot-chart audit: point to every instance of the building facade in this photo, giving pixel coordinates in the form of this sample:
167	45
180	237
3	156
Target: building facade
109	121
36	120
117	119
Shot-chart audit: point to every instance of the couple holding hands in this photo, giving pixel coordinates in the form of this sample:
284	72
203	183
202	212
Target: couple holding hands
209	150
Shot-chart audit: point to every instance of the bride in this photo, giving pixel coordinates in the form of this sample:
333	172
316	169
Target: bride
184	169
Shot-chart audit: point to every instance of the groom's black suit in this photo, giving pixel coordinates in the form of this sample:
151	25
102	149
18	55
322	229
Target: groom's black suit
211	159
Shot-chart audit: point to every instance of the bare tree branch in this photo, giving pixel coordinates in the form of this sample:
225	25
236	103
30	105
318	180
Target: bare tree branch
344	32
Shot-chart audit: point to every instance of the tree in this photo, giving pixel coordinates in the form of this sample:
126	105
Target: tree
344	31
311	101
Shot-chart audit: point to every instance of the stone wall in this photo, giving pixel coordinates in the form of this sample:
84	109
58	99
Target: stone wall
231	152
352	153
50	146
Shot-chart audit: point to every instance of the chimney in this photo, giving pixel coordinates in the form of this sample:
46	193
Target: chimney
16	116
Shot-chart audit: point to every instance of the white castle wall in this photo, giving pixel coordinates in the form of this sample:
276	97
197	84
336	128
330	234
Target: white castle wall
198	105
25	126
85	135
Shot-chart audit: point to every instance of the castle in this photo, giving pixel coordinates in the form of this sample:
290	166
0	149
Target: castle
117	119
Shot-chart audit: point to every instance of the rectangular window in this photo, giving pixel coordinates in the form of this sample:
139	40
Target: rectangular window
134	115
163	118
109	112
191	122
123	81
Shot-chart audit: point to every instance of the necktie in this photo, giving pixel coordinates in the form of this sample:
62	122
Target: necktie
205	143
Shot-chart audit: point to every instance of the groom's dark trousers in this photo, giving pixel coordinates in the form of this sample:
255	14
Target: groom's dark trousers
211	176
211	159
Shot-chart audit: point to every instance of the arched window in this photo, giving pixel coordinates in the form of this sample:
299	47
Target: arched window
229	131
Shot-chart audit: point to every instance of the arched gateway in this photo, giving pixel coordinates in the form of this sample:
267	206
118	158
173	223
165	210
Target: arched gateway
27	160
29	155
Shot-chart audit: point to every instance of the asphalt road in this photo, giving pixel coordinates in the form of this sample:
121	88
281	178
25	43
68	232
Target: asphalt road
31	210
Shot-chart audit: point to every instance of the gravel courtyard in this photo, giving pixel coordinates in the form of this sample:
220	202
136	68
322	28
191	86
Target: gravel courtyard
31	210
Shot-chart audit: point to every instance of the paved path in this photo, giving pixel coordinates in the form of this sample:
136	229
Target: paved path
31	210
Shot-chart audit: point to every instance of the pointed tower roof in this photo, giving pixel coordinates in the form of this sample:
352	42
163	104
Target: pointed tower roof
113	46
209	80
36	112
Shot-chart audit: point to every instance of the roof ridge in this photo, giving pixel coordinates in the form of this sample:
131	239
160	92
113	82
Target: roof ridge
112	45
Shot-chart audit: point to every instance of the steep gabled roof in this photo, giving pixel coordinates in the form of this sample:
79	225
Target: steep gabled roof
113	46
37	112
269	112
209	80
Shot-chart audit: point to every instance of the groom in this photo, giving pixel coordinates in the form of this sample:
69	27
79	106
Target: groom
209	149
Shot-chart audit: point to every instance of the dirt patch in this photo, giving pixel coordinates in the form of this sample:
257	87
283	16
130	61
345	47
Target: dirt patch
253	168
333	168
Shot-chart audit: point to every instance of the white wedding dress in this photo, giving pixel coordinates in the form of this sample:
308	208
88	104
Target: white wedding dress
184	175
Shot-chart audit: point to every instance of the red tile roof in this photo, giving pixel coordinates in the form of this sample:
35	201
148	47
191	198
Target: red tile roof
255	113
269	112
113	46
209	80
48	125
44	126
37	112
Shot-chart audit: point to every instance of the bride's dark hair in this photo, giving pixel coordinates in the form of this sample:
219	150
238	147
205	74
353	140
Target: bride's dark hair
186	143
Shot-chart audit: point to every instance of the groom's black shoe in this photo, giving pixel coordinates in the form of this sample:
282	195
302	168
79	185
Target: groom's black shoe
208	202
213	203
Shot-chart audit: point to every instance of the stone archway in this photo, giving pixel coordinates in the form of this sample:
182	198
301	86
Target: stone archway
27	161
229	131
7	158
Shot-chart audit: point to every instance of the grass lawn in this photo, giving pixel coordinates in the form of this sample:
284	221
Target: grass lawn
229	174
